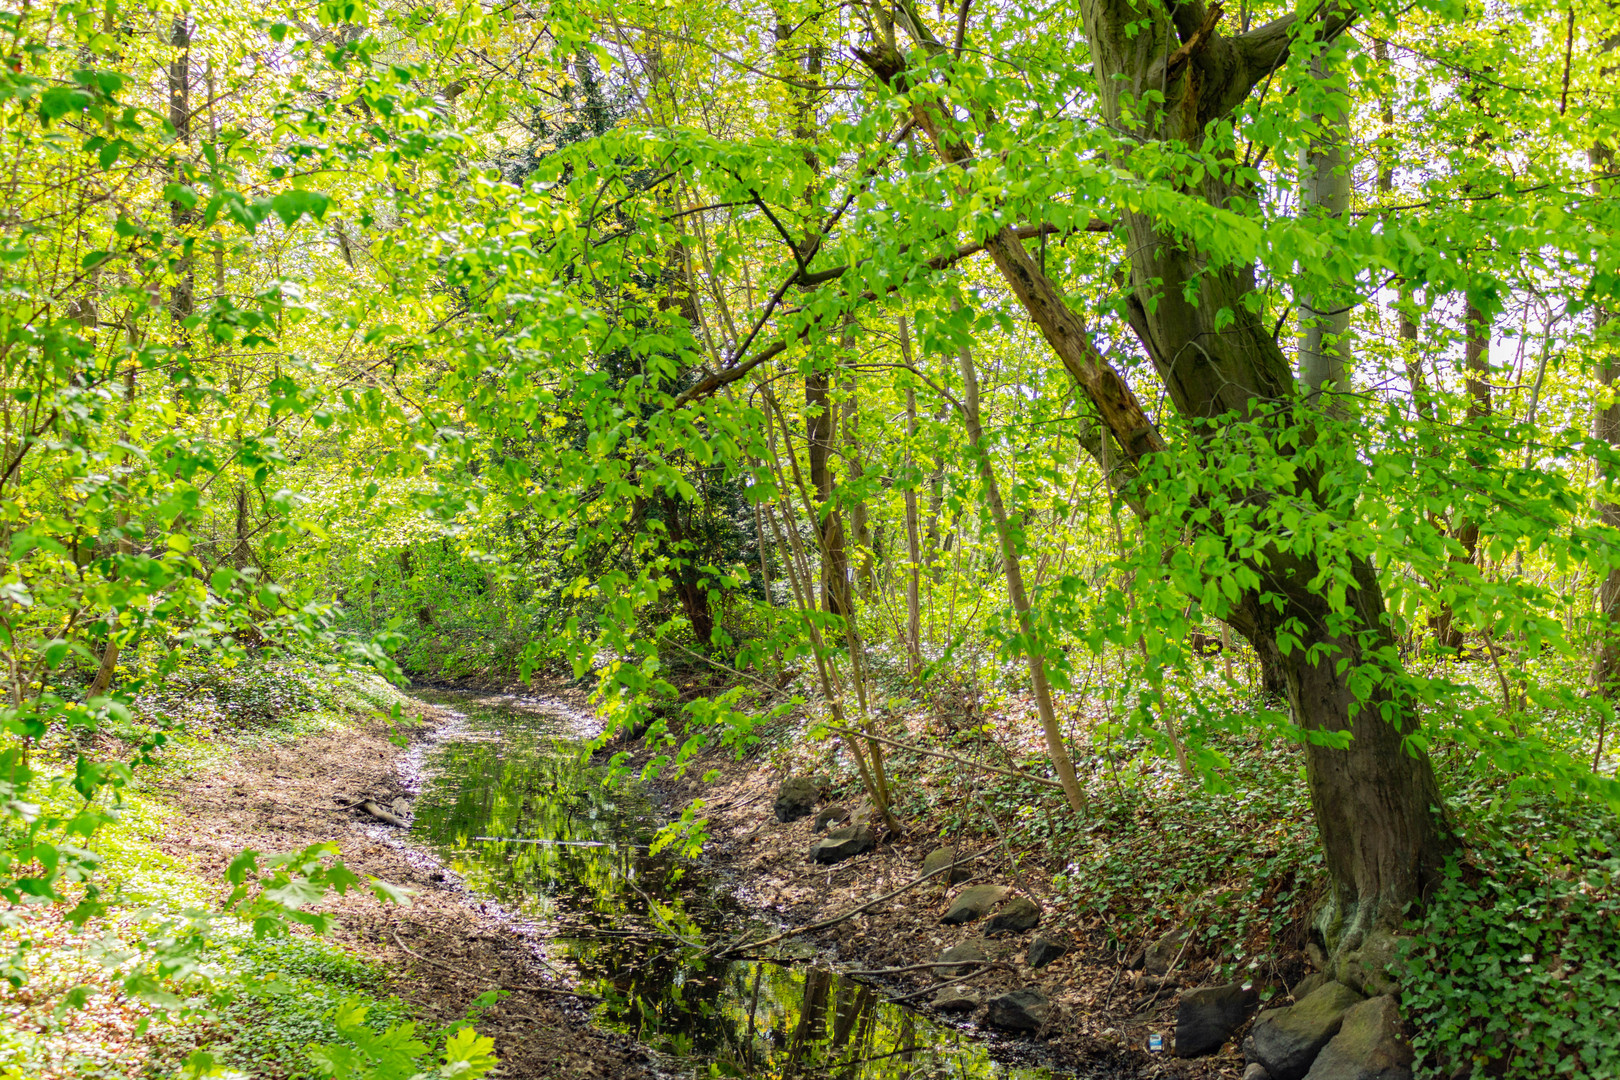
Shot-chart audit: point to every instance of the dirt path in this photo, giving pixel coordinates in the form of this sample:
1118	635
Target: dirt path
445	948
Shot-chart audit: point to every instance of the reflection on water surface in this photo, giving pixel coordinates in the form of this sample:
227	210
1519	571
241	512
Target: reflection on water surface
513	805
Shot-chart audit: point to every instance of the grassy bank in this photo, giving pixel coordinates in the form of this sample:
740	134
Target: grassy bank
153	987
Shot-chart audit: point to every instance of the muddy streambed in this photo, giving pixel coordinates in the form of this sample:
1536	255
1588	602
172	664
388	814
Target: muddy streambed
513	809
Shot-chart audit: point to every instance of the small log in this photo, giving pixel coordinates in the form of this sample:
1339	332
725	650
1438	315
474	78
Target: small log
380	814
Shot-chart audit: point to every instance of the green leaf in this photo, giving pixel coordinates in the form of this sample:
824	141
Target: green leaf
474	1053
289	206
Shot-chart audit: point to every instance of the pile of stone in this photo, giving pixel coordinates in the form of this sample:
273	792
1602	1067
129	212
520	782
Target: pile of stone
1330	1033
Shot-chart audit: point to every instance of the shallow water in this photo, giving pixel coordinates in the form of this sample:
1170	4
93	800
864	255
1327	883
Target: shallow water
512	804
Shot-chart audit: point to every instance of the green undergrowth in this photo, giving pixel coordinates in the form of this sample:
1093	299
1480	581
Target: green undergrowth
1514	970
93	1002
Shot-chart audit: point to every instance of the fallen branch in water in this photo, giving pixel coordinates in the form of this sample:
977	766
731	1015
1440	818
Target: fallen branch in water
517	987
382	815
370	806
836	919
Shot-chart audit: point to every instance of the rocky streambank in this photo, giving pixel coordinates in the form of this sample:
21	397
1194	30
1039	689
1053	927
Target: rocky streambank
978	936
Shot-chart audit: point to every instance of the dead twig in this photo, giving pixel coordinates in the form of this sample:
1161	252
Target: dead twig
1014	773
873	972
951	982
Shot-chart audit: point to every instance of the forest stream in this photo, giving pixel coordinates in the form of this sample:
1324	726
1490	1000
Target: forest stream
511	805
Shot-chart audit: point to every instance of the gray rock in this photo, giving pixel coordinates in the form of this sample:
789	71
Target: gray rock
973	902
796	798
1287	1040
843	844
1021	1010
940	858
1162	953
1206	1018
1256	1071
1016	916
1369	1045
950	999
1043	950
958	959
1304	988
832	815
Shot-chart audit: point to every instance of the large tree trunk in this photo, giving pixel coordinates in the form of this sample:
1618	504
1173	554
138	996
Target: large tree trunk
1376	800
1376	797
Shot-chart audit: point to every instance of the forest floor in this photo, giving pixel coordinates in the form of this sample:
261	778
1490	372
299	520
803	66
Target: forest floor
1104	1012
445	949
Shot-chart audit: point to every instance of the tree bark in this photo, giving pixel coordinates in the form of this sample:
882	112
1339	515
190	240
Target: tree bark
182	298
913	538
860	532
1407	328
407	571
1476	368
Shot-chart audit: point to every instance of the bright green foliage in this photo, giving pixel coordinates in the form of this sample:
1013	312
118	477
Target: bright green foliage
396	1054
391	1053
608	338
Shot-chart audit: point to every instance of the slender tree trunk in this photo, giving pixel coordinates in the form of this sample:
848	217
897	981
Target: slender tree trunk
1032	649
913	539
860	532
102	682
1326	169
182	299
1606	429
820	426
1407	328
873	776
407	571
1476	369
